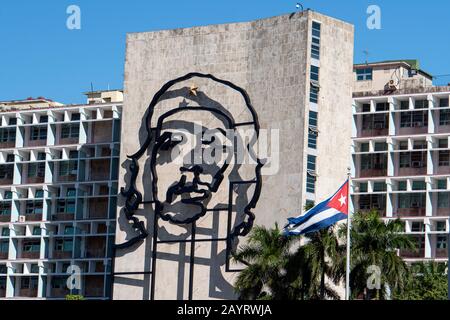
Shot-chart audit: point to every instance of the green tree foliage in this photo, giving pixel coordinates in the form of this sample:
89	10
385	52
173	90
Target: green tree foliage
427	281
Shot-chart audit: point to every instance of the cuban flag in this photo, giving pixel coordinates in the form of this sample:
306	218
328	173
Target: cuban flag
321	216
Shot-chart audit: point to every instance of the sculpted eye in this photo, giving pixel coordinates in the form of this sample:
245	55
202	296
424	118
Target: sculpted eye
170	140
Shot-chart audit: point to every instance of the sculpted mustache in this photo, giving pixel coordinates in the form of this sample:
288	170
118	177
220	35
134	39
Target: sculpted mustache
181	187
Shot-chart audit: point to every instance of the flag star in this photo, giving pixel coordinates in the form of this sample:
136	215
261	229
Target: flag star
343	200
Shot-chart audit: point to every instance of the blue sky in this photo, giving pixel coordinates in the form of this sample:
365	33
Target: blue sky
39	56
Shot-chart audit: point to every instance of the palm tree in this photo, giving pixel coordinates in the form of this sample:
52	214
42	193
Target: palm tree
376	243
321	252
265	255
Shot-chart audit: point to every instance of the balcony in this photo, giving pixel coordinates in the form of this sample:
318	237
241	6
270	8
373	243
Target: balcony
101	132
410	212
367	173
411	254
33	217
442	253
94	286
62	255
28	293
98	208
30	255
59	292
63	217
7	145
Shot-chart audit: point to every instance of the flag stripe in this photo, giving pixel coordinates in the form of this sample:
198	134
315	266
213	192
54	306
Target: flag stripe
326	214
325	223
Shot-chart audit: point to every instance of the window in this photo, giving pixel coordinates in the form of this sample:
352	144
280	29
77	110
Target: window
441	226
71	192
311	163
39	194
418	227
12	121
441	242
444	158
4	246
383	106
3	270
313	118
8	195
32	246
36	231
414	119
75	117
7	135
444	117
69	230
420	145
402	186
310	183
5	208
404	105
411	200
67	168
6	171
443	103
413	160
372	202
443	143
33	207
5	232
366	107
443	200
419	185
65	206
315	45
363	187
59	283
381	146
64	245
364	74
421	104
365	147
73	154
379	187
38	133
34	268
10	158
70	131
41	156
375	121
314	94
376	161
36	170
315	73
312	138
403	145
442	184
43	119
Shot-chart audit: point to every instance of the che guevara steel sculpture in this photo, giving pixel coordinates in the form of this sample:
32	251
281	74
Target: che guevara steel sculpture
182	191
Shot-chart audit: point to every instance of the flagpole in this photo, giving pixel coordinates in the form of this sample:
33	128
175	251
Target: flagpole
347	269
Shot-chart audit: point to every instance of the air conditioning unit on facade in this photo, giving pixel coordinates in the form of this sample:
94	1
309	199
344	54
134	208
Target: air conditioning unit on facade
22	218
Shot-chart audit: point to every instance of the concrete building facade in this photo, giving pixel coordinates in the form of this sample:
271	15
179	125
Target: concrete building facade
296	71
400	152
58	194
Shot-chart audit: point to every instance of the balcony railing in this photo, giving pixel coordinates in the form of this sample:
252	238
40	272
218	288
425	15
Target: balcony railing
443	212
29	255
3	255
412	253
2	293
412	171
63	217
62	254
373	132
411	212
5	218
59	292
366	173
441	253
28	293
33	217
7	144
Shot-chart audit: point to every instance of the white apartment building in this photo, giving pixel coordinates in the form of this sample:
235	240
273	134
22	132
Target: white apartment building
400	152
58	193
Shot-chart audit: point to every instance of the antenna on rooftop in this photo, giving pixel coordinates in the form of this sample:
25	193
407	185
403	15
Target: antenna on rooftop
366	53
299	6
92	87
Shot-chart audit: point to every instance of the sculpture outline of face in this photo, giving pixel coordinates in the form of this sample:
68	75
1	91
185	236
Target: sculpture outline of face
193	190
